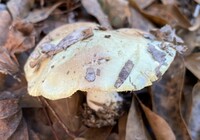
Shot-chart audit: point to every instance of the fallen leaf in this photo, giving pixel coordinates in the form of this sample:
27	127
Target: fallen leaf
163	14
12	124
20	38
38	123
135	128
97	133
186	100
41	14
191	39
113	136
160	127
166	2
122	126
196	24
68	111
166	98
137	20
170	13
7	64
93	8
144	3
192	63
194	122
120	16
4	24
19	8
2	81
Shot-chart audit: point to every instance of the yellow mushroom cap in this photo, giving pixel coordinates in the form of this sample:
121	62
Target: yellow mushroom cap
107	61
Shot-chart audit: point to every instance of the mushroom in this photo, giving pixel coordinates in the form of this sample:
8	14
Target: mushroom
88	58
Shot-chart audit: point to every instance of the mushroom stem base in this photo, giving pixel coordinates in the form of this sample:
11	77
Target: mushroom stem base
100	118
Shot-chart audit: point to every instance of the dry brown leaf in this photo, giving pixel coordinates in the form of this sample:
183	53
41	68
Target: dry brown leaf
19	8
93	8
135	128
16	42
113	136
38	123
12	125
4	25
166	97
170	13
2	81
7	64
166	2
97	133
138	21
41	14
191	39
186	101
118	12
67	110
194	122
192	62
160	127
195	25
122	126
144	3
19	39
163	14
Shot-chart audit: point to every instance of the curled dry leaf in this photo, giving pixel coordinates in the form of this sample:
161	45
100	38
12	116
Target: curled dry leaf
144	3
4	25
163	14
71	117
7	64
194	122
191	39
192	63
19	8
12	124
118	12
93	8
17	41
169	13
166	97
141	22
41	14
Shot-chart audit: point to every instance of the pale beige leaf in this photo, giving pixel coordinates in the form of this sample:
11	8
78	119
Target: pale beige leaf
19	8
93	8
41	14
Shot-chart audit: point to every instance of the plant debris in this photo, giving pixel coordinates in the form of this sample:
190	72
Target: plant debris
124	73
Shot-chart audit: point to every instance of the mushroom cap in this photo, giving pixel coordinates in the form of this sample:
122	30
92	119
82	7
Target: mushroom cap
108	61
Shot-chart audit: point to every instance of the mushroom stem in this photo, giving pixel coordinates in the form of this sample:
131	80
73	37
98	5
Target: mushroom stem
98	100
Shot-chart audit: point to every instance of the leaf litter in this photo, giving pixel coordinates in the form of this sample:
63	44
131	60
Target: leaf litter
174	111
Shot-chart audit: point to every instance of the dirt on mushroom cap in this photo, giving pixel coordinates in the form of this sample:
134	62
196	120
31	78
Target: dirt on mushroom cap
64	73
